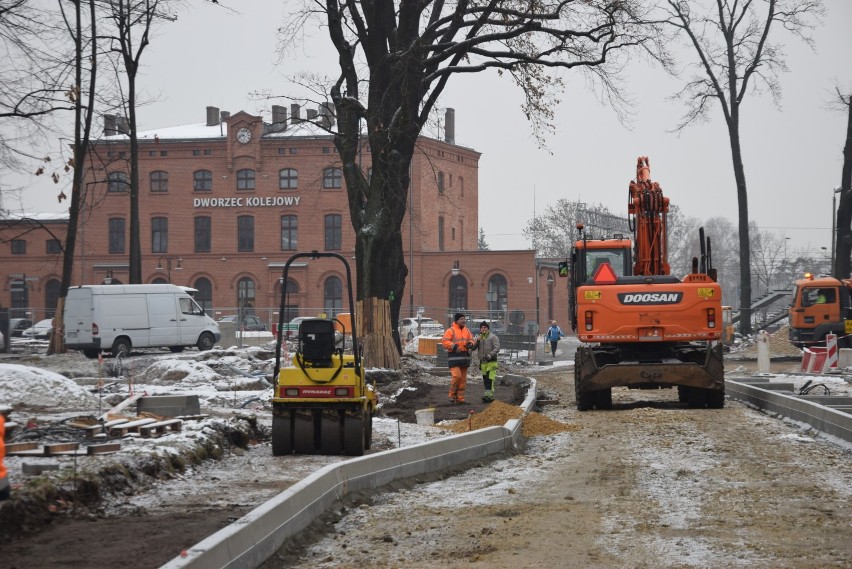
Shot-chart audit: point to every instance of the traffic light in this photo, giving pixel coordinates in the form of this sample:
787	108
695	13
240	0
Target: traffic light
563	268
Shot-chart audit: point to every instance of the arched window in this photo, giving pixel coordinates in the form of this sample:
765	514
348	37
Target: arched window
118	182
458	293
202	180
246	292
332	296
332	178
204	296
51	297
159	181
245	179
498	296
288	179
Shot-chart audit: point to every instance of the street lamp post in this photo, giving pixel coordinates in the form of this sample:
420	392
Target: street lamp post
833	226
168	269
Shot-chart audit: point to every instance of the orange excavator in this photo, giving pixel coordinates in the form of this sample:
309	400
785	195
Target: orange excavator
640	326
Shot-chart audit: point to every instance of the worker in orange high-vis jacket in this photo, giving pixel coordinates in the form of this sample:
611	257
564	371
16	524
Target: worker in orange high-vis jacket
4	480
458	341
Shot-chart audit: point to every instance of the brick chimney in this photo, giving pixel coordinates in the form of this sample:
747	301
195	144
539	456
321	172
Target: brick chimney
109	125
212	116
279	117
326	112
295	115
122	125
450	126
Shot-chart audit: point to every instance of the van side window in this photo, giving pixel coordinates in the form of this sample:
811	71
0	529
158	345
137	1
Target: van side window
187	306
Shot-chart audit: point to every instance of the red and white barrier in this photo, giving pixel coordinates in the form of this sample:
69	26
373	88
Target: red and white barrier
832	356
818	359
813	359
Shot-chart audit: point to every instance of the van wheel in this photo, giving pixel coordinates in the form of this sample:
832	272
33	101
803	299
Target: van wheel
205	342
121	347
175	349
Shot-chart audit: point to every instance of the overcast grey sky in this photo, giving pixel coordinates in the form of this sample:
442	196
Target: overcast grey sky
792	155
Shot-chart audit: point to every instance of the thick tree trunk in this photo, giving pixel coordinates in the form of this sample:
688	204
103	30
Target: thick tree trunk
745	251
843	243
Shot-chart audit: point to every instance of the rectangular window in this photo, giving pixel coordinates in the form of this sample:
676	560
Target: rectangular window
202	234
332	178
440	182
164	152
19	247
159	181
53	247
245	233
441	233
159	235
294	151
152	153
282	150
245	179
289	232
202	180
208	152
333	232
288	179
196	152
326	150
116	235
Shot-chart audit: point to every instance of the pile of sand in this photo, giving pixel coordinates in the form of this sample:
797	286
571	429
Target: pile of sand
498	413
779	345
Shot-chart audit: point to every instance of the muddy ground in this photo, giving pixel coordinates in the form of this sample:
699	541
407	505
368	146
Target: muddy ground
649	484
140	531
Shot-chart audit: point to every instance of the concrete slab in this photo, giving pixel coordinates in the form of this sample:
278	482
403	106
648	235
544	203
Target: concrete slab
169	405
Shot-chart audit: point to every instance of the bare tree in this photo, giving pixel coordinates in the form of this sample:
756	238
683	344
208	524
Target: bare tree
768	256
82	95
553	233
131	22
735	56
395	60
34	77
843	239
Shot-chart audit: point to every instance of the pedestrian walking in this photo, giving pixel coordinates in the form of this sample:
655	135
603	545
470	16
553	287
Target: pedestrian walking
554	334
487	346
458	341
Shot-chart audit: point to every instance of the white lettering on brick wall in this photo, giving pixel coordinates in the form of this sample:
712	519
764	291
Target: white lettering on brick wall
252	201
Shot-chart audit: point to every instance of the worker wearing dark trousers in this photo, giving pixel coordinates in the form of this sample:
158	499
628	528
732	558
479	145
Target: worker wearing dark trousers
487	346
4	480
458	341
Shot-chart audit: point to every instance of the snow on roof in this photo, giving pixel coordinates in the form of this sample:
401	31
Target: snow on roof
203	131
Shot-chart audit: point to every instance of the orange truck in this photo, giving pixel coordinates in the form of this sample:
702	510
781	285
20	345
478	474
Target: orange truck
820	306
639	326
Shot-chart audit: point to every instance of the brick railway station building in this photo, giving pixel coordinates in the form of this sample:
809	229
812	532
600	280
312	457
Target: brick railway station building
225	203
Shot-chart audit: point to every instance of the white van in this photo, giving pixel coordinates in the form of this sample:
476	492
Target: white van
119	318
